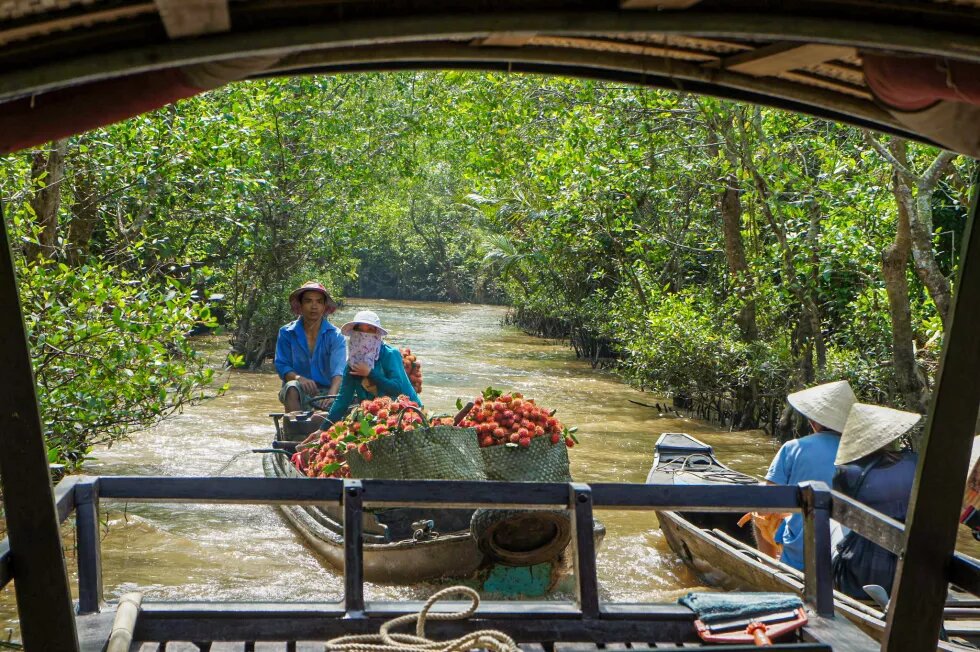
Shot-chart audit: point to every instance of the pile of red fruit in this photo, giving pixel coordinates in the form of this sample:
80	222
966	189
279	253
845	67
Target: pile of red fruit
413	368
511	419
324	454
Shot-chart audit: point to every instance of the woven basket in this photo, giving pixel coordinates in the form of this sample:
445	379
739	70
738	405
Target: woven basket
542	461
425	453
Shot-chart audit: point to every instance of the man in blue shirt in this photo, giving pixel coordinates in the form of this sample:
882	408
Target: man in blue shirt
310	352
810	458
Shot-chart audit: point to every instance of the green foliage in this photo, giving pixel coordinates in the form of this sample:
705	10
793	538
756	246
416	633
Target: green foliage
595	210
110	353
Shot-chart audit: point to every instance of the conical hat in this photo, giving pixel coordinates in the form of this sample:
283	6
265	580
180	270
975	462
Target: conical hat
870	427
827	404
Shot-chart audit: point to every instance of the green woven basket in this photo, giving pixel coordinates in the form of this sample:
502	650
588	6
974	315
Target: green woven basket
542	461
425	453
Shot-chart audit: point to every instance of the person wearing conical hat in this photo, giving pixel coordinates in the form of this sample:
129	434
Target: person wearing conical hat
872	468
310	352
809	458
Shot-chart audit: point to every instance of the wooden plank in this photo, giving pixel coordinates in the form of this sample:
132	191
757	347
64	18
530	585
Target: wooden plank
657	4
229	646
841	635
69	23
583	527
919	591
873	525
531	647
43	595
505	39
778	58
6	570
183	18
353	547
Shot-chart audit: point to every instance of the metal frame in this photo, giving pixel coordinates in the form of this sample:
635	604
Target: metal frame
586	619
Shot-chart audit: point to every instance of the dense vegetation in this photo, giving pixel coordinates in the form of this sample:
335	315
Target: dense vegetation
725	254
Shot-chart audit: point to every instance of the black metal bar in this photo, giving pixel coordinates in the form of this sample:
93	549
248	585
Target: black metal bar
964	572
454	493
872	525
238	624
818	585
6	569
255	491
43	593
89	546
919	591
64	497
353	548
583	529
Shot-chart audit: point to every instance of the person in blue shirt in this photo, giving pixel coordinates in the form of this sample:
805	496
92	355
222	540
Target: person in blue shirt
810	458
310	352
373	368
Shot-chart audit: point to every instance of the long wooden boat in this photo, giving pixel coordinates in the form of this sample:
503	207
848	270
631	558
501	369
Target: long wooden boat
410	545
720	552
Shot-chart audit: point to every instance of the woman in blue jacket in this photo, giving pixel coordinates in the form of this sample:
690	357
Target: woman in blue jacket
373	368
872	468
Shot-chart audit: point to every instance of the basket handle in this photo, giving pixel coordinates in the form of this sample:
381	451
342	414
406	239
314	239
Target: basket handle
425	421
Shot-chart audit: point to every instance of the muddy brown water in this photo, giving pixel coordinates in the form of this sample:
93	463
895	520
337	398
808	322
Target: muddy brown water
221	552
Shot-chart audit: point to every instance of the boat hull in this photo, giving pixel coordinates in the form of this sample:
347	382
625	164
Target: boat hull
453	554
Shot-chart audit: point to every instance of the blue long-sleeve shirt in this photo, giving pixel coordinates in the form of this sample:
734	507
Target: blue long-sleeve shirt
388	374
293	353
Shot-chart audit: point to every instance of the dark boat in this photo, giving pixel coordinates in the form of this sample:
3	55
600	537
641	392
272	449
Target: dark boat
722	554
410	545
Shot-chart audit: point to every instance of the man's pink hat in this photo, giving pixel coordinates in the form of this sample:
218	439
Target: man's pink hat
295	298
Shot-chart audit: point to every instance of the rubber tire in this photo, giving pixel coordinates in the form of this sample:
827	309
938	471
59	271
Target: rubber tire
518	537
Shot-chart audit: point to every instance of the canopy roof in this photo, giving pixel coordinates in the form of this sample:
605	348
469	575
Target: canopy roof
808	55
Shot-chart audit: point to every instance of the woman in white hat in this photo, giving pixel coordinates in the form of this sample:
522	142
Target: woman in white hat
373	368
872	468
809	458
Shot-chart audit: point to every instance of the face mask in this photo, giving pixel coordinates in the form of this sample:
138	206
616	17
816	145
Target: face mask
363	347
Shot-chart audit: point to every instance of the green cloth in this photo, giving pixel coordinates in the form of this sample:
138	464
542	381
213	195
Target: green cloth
712	607
388	374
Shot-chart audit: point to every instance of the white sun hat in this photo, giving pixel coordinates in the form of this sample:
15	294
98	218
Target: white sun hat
364	317
870	427
827	404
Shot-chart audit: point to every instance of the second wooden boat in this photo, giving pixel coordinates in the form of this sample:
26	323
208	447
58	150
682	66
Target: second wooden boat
721	553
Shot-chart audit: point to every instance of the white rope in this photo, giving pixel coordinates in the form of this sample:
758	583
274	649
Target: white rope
387	641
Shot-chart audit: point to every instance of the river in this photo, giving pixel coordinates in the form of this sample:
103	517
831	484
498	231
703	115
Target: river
220	552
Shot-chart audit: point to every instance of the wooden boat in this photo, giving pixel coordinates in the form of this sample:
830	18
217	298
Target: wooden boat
410	545
722	555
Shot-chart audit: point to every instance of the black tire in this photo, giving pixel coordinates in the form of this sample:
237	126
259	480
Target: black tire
517	537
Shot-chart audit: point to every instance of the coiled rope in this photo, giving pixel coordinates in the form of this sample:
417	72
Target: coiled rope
387	641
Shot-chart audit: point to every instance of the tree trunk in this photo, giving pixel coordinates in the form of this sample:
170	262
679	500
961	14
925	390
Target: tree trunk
85	215
47	173
894	266
923	256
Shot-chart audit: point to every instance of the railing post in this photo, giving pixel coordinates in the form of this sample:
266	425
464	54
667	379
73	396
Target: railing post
353	547
43	591
915	613
583	527
89	546
818	585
